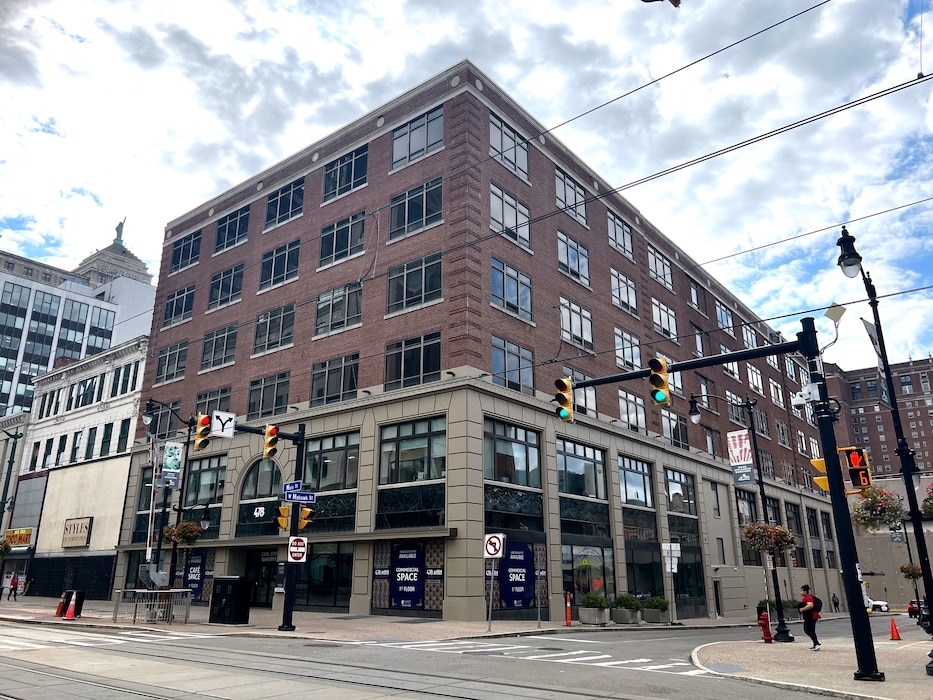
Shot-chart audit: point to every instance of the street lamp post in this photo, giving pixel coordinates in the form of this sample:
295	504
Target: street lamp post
782	633
851	264
15	437
190	423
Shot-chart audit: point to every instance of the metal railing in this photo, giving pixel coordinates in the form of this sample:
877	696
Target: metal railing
144	605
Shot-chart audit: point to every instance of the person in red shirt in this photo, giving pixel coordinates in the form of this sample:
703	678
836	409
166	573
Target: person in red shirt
810	616
14	585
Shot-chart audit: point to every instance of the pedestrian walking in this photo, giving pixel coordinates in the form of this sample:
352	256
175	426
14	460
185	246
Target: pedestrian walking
835	603
809	609
14	585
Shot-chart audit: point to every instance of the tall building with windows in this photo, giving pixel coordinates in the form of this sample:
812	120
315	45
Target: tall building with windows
407	290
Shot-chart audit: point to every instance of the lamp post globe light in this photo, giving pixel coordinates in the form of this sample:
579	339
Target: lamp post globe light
850	262
190	423
782	633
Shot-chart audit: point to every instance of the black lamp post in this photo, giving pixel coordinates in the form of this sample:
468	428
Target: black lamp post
895	537
190	423
15	437
851	264
782	633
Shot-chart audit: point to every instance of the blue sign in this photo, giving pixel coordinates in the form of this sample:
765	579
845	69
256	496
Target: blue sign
517	575
290	486
406	579
194	572
299	497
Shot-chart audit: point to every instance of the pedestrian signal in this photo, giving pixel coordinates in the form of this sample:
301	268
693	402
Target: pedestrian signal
202	434
660	389
564	398
856	461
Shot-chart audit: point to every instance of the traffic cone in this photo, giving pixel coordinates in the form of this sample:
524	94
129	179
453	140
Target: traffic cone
895	635
61	606
70	615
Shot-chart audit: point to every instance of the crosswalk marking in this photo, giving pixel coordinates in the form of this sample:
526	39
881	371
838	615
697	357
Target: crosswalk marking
525	652
55	638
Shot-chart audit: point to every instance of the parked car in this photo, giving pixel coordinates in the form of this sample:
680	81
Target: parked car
913	608
878	605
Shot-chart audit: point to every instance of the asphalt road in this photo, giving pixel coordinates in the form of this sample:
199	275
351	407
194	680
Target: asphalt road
48	662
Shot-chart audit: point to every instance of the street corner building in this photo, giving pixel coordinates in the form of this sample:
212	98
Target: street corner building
406	291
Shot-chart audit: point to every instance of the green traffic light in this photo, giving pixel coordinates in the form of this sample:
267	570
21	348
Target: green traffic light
563	413
658	396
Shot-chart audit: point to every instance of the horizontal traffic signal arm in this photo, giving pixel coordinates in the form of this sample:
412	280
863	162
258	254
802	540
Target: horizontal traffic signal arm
698	363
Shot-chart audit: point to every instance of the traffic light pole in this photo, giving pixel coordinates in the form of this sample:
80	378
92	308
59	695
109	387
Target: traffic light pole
298	439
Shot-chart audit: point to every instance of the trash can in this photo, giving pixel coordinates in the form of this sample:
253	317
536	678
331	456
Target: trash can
230	600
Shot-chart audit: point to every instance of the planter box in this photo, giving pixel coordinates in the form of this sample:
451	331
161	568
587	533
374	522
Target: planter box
654	615
594	616
624	616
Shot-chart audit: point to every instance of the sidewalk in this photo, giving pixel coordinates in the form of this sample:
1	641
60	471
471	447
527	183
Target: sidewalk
827	672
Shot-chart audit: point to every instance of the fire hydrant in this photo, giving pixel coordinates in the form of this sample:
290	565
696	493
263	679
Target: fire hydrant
765	623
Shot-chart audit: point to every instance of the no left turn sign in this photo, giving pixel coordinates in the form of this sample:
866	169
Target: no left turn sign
494	546
297	549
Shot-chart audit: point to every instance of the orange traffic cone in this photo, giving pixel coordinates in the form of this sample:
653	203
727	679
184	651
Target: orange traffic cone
895	635
70	615
61	606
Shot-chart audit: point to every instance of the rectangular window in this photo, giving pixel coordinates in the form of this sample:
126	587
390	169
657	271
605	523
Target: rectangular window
414	283
729	368
674	428
416	209
513	366
573	258
339	308
346	173
214	400
334	380
636	480
576	324
511	454
171	364
584	399
623	292
268	396
186	251
751	338
736	408
620	235
761	422
681	492
231	229
907	386
697	296
60	452
783	433
178	306
581	470
628	350
105	440
724	318
659	268
285	203
274	329
418	137
791	368
856	390
509	217
510	289
219	347
332	462
205	481
507	146
571	197
76	446
632	412
91	440
713	442
698	341
413	361
801	443
415	451
279	265
754	379
777	393
342	239
665	320
226	287
124	436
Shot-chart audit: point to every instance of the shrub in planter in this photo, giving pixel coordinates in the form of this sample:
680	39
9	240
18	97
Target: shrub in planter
594	609
625	609
656	609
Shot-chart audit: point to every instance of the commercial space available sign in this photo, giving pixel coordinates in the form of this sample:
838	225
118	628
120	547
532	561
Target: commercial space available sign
406	578
517	575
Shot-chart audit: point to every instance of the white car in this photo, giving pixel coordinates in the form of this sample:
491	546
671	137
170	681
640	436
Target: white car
877	605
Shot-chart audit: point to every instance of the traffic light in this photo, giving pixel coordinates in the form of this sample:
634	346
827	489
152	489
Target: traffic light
272	440
564	398
820	466
285	513
305	516
856	461
660	390
202	434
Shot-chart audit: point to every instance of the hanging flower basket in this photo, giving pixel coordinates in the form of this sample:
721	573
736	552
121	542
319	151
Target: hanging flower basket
877	508
762	537
186	533
5	548
911	571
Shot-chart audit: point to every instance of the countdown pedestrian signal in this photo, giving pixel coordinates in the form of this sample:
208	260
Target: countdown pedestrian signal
564	398
660	389
202	434
856	461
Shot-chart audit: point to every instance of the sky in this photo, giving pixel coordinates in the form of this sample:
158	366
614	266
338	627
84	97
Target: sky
113	109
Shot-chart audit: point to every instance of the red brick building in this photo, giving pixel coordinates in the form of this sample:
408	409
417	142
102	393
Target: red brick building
408	289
